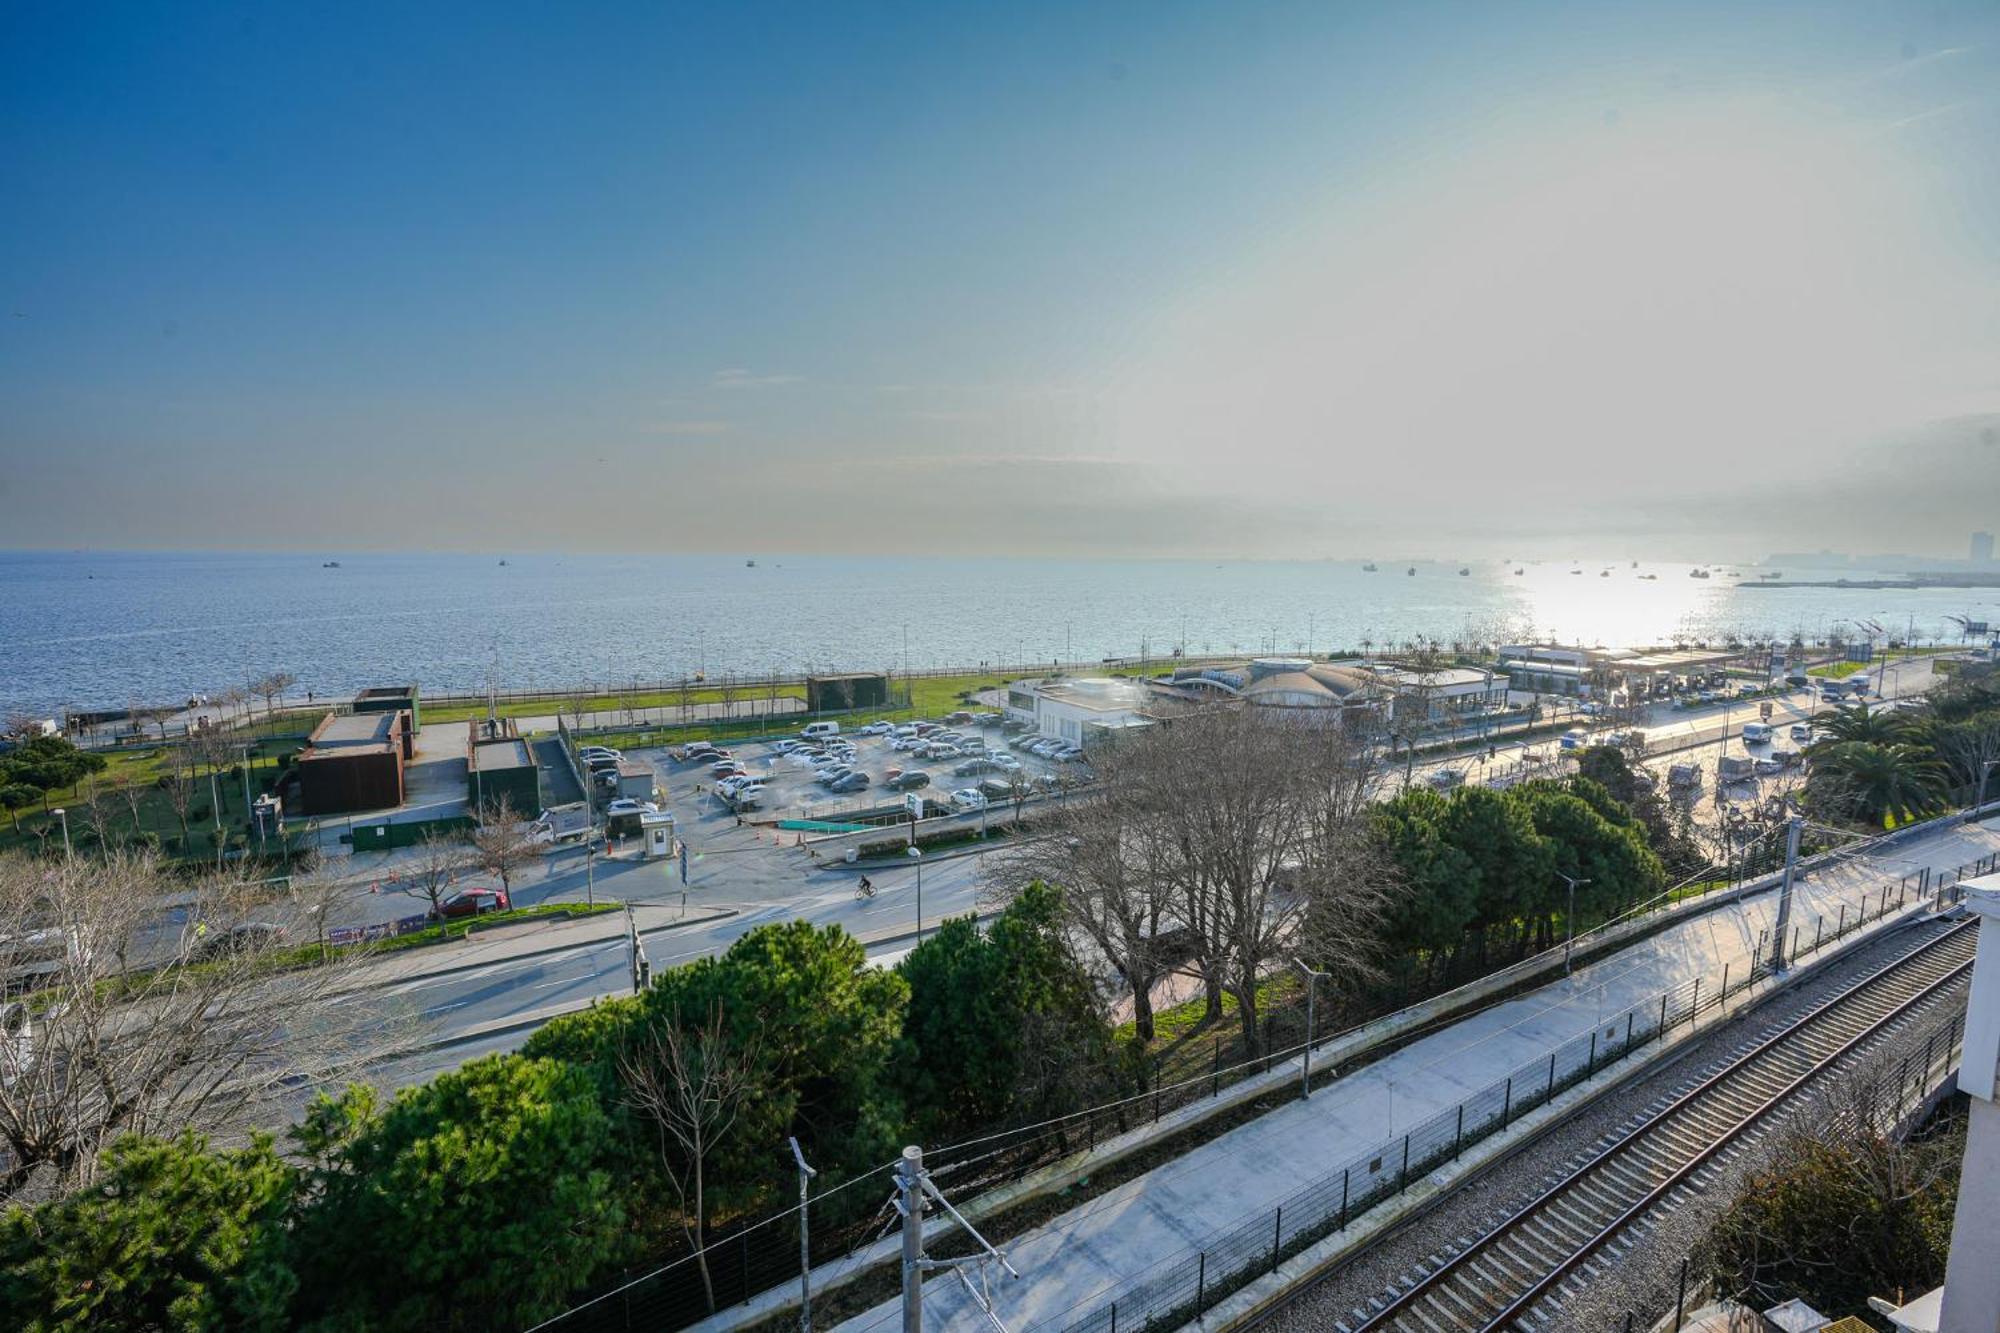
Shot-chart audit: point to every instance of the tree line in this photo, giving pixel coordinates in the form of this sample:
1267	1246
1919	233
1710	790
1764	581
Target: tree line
491	1195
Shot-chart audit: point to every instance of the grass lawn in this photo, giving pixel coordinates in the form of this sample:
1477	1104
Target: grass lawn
1838	670
931	696
140	768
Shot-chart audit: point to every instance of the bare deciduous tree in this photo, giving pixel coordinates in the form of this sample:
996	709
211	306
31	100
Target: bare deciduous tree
129	1019
176	783
501	844
1224	839
691	1083
272	687
433	872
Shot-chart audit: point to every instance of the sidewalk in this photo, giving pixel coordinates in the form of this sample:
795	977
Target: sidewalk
1087	1253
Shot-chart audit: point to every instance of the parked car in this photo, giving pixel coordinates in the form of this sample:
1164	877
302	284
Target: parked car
1575	738
958	717
972	768
245	938
1012	724
630	807
909	781
1444	779
1684	777
967	799
1802	733
471	902
996	789
833	775
854	781
1769	767
878	728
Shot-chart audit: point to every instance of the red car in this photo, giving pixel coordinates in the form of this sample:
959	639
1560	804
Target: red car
472	902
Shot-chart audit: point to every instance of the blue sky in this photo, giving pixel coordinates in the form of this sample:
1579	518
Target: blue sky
1262	279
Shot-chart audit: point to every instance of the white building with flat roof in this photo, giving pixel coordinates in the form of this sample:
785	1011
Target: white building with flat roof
1081	709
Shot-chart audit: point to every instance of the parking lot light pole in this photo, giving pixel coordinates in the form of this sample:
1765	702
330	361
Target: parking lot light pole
1569	918
62	817
917	855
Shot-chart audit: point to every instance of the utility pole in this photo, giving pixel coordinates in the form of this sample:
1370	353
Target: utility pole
1792	829
1569	918
910	1203
806	1174
913	1186
1985	767
1306	1059
589	874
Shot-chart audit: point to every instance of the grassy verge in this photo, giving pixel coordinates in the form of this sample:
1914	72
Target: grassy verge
1837	670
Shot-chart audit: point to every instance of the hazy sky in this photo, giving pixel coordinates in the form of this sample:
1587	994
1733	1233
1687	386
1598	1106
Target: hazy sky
1690	280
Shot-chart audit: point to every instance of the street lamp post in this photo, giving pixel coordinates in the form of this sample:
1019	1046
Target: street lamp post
1569	919
62	817
1306	1056
917	855
1979	800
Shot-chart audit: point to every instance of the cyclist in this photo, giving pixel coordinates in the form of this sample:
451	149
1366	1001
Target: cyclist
864	889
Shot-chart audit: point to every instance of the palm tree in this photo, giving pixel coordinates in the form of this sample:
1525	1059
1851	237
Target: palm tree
1871	781
1880	726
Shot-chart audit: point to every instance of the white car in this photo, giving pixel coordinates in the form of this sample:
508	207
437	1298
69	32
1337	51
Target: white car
625	807
1802	733
967	799
1575	738
878	728
590	752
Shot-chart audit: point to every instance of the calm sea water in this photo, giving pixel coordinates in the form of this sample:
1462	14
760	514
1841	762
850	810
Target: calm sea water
105	629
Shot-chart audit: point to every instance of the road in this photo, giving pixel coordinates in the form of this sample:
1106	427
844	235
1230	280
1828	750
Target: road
475	1012
752	872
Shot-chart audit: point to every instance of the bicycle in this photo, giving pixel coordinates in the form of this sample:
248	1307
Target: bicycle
864	889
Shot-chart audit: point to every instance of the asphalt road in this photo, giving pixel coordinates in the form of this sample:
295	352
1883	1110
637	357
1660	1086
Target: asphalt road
459	1005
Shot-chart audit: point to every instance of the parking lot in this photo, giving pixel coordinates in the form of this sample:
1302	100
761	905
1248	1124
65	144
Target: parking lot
760	783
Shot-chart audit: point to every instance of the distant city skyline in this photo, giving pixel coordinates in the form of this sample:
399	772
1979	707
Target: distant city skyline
1681	282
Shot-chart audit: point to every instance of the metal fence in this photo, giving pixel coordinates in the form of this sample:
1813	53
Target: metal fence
1177	1289
745	1259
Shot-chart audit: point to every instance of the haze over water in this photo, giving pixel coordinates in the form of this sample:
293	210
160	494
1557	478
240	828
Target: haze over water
85	629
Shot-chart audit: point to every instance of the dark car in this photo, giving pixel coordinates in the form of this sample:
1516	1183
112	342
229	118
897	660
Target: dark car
851	782
909	781
246	938
472	902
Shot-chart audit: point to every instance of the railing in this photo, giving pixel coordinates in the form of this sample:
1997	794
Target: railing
765	1254
1177	1289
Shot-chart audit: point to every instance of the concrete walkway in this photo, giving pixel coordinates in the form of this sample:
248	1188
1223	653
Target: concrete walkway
1081	1257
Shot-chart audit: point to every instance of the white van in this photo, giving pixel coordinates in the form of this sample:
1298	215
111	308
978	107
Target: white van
819	731
1756	733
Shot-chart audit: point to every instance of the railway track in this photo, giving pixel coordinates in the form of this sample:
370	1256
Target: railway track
1498	1280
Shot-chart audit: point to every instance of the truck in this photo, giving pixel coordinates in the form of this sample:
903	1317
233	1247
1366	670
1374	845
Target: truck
1735	768
1684	777
560	823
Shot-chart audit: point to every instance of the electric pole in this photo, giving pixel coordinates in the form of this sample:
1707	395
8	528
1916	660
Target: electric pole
913	1186
806	1174
1793	826
910	1203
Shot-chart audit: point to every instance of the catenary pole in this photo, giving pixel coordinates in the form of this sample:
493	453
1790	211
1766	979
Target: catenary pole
910	1200
1792	829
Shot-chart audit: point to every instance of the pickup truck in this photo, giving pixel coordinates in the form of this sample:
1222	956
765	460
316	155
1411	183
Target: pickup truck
560	823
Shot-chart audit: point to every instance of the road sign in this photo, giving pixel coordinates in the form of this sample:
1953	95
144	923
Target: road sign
684	863
914	804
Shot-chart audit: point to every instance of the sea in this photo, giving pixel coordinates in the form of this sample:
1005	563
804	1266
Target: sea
88	629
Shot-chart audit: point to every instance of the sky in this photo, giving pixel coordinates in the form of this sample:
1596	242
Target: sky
1696	281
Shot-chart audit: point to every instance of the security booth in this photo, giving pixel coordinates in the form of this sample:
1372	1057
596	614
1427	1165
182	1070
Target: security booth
656	835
